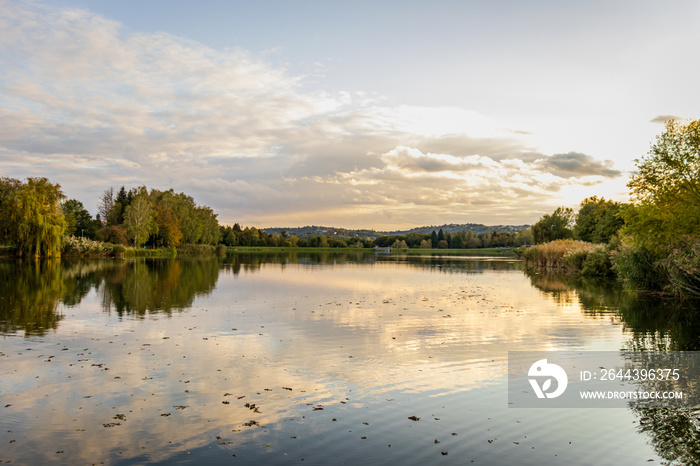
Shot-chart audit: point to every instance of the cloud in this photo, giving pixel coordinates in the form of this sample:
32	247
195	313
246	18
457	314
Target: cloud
578	165
663	119
91	105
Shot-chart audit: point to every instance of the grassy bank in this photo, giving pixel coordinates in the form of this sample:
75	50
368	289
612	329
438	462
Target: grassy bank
489	252
478	252
269	249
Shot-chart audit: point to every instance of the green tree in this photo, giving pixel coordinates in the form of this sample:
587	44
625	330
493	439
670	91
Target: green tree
190	224
597	220
667	188
79	222
661	236
457	242
399	244
210	226
139	218
471	240
555	226
31	216
8	190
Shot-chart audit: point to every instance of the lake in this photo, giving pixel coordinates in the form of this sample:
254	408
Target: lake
315	358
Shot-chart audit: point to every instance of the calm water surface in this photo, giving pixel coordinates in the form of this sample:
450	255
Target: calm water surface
314	359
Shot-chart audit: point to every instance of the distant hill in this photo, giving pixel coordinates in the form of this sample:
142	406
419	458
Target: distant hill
314	230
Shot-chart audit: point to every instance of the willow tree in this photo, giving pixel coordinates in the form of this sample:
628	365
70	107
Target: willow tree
30	216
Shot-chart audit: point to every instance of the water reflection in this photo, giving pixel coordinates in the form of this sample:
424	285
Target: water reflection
164	285
32	291
370	339
30	294
252	262
653	324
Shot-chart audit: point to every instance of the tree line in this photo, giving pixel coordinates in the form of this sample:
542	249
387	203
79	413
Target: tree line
154	218
35	217
251	236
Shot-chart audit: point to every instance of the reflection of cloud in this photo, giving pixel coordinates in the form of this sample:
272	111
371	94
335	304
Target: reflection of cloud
92	104
408	329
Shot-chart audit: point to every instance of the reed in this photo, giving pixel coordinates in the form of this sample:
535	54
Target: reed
564	254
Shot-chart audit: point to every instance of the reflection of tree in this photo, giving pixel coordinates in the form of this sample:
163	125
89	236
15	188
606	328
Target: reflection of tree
31	291
158	285
655	324
252	262
674	433
30	294
559	287
457	264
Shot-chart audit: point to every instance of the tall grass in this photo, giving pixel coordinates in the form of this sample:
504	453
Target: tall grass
73	245
570	256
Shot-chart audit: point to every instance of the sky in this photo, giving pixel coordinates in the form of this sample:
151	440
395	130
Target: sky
381	114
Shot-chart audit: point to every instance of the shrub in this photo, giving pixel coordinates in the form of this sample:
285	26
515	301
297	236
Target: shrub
683	268
118	250
196	249
73	245
637	267
220	249
574	259
597	264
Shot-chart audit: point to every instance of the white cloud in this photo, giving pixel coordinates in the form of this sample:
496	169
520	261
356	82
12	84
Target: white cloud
89	104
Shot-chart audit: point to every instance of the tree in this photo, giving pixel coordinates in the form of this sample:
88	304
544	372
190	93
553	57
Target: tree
231	239
555	226
8	189
667	188
441	235
168	227
139	218
31	216
470	240
113	234
79	222
190	224
597	220
105	204
457	242
399	244
210	233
